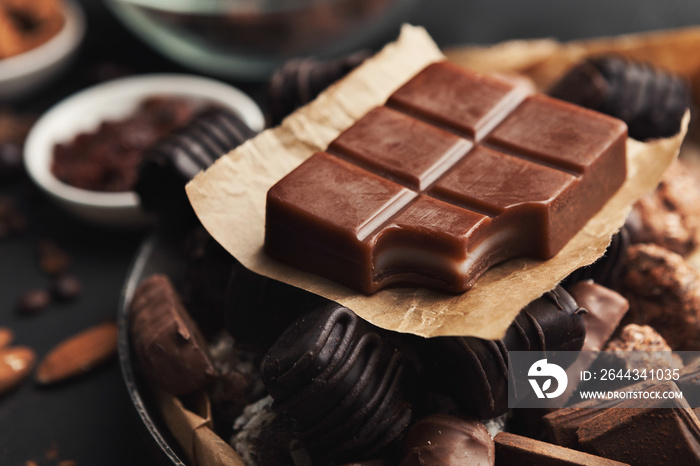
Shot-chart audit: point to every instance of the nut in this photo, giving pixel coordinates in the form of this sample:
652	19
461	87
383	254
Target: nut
78	354
16	363
6	336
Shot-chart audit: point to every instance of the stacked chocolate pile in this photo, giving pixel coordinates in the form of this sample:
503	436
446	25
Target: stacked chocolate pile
338	390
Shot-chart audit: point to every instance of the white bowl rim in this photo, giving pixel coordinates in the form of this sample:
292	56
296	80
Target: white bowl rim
51	51
38	149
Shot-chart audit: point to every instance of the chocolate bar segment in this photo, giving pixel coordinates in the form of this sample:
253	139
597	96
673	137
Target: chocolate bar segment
456	173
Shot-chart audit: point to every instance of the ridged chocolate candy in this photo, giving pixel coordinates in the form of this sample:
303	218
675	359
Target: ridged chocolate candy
651	101
474	372
346	385
299	81
177	157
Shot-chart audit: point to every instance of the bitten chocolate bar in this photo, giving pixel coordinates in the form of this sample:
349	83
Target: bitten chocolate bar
456	172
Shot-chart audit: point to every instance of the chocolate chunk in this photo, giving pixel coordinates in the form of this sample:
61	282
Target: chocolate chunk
663	293
651	101
513	449
607	270
457	173
639	338
645	431
66	287
449	441
605	307
669	216
174	159
347	386
167	341
474	372
33	301
300	81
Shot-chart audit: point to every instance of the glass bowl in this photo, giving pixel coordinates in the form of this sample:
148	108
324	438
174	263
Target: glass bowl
248	39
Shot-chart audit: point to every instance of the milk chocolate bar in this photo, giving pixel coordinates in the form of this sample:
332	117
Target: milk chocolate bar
457	172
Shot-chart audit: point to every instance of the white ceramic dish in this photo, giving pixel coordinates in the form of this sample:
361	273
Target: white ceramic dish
24	73
116	99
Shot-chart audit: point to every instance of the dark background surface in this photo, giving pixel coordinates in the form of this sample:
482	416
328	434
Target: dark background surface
90	419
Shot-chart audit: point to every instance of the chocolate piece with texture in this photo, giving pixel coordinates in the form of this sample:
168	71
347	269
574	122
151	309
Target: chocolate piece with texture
458	172
300	81
645	431
561	425
606	309
669	216
449	441
474	372
348	388
174	159
663	293
168	343
689	383
607	270
513	449
650	100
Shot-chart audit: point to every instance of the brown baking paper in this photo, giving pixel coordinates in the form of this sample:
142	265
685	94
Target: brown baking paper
229	199
192	428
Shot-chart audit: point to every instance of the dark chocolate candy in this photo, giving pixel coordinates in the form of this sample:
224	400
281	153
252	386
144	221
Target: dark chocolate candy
645	431
513	449
168	343
177	157
474	372
458	172
651	101
348	388
562	425
442	439
608	269
300	81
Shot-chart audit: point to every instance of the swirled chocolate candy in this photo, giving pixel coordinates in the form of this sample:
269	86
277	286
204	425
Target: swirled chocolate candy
299	81
651	101
348	388
168	343
474	372
442	439
177	157
457	172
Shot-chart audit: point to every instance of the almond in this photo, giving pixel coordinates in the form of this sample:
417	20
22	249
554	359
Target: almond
78	354
16	363
6	336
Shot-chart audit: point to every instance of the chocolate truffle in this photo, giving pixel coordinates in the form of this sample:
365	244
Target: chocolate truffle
441	439
347	386
669	216
168	343
651	101
663	293
474	372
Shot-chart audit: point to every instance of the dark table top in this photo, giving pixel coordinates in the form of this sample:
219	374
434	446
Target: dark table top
90	419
